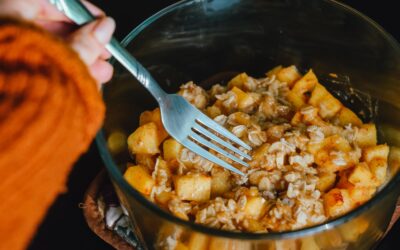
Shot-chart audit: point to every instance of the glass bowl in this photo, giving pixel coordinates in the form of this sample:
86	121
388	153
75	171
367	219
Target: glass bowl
200	40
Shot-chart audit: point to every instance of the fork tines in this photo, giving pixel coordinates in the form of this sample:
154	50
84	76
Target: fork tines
209	133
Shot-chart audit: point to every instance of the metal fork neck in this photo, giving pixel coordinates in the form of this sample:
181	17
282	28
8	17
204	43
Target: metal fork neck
133	66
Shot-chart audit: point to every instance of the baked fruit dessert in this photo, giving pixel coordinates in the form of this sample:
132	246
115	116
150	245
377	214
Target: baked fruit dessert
313	159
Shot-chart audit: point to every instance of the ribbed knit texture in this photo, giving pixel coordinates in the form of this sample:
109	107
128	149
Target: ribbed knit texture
50	110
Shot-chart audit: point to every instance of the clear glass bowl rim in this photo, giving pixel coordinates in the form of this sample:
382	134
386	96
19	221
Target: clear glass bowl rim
116	175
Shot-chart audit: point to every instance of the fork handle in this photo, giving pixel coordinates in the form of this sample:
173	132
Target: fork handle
78	13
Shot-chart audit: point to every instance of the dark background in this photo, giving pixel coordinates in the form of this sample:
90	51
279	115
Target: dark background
64	226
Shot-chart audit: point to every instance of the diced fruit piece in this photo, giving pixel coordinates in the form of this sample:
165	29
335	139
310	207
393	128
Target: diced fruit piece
255	207
308	243
259	157
366	135
376	158
238	81
254	225
351	230
289	75
154	116
217	89
146	117
274	71
276	132
195	187
213	111
163	197
297	96
295	99
327	104
375	152
145	140
296	119
326	181
239	118
358	193
343	182
346	116
334	155
180	214
181	246
306	83
361	194
378	169
310	116
219	104
252	192
146	160
139	177
244	100
171	149
337	202
360	175
324	162
337	142
317	95
314	147
198	241
220	182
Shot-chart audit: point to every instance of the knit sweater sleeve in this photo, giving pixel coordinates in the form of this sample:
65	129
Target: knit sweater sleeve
50	110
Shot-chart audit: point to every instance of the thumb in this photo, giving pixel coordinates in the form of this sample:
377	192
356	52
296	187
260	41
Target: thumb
89	40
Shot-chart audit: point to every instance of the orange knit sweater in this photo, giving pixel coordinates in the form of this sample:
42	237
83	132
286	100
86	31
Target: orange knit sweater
50	110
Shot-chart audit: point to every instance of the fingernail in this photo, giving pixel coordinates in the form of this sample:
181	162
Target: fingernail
104	30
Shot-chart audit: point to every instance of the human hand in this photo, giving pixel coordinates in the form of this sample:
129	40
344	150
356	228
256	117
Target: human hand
88	41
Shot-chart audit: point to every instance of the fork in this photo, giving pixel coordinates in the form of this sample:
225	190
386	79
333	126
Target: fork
185	123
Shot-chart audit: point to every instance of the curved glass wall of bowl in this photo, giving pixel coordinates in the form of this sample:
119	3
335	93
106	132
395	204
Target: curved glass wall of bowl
194	40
